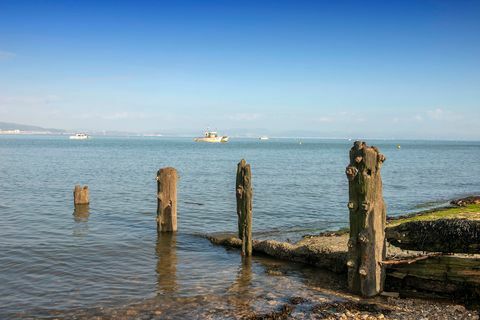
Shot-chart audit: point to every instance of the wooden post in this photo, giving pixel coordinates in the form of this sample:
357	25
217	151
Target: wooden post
244	195
366	246
80	195
167	199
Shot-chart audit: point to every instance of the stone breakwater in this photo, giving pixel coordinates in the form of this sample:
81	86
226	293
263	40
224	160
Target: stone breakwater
439	273
325	251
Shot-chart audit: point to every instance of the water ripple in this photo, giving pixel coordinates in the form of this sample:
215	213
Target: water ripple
55	258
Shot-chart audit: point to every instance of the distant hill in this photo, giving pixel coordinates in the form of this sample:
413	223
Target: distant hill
25	127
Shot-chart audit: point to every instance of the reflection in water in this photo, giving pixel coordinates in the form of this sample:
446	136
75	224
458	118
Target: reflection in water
80	216
81	213
242	289
244	277
261	287
166	251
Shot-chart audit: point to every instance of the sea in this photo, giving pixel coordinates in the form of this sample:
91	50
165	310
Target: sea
58	262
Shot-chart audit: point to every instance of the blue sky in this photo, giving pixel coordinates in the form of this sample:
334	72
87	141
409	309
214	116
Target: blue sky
392	69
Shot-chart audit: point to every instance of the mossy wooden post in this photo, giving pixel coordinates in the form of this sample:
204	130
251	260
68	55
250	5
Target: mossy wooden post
167	200
80	195
366	246
244	195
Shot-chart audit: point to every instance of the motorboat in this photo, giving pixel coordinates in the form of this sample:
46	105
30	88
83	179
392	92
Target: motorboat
79	136
212	137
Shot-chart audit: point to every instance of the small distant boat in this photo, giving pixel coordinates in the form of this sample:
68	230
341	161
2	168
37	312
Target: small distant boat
212	137
263	138
79	136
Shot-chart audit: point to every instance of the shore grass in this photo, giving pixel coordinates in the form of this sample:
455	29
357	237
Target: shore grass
471	211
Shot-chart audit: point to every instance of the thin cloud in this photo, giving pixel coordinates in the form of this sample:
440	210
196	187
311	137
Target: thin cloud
244	116
125	116
418	118
104	78
29	100
440	114
5	55
436	114
324	119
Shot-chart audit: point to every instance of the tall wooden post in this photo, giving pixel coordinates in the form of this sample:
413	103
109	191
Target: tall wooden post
80	195
167	199
244	195
366	246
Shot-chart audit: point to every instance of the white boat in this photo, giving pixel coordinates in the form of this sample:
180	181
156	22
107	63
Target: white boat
212	137
79	136
264	138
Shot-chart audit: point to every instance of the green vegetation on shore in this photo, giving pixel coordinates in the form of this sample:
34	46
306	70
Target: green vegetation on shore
470	211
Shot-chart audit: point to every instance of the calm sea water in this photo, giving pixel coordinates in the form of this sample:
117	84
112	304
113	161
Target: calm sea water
54	260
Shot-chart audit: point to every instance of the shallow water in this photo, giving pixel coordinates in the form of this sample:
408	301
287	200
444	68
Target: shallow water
53	259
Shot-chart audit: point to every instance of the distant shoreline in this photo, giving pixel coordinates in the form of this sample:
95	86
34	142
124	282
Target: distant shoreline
154	135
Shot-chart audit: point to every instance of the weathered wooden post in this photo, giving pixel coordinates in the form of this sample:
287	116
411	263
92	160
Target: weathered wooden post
366	246
167	199
244	195
80	195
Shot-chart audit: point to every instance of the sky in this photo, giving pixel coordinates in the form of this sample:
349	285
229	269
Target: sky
384	69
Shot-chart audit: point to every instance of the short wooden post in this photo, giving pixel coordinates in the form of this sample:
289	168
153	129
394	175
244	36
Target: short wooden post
80	195
167	199
366	246
244	195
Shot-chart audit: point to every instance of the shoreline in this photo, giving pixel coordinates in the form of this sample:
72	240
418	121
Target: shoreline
328	250
334	243
316	294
